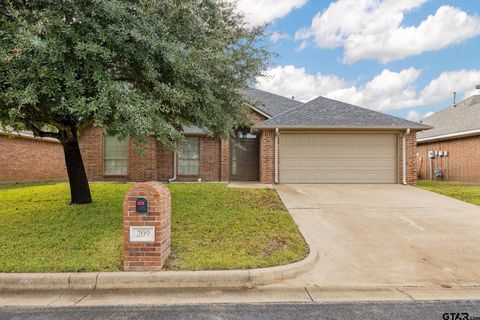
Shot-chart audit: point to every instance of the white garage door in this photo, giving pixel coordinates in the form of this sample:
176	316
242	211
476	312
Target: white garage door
338	158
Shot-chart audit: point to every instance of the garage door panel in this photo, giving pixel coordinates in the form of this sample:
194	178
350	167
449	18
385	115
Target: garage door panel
338	158
310	164
380	139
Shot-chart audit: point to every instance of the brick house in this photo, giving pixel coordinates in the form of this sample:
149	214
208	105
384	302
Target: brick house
27	158
451	149
322	141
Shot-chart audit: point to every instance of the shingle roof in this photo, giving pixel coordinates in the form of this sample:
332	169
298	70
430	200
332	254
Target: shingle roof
269	103
464	117
327	113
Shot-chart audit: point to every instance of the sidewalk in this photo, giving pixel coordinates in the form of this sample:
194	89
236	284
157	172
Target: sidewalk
232	295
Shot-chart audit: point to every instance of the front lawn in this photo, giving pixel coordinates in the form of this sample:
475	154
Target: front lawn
213	227
465	192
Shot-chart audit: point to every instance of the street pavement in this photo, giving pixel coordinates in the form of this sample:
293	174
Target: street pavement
430	310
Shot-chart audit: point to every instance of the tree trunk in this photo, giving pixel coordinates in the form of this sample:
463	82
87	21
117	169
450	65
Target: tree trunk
79	188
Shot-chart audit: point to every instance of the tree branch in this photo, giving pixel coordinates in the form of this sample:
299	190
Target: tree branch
44	134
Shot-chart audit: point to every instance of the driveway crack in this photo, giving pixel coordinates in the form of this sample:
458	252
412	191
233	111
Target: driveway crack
308	293
406	293
96	282
80	300
55	300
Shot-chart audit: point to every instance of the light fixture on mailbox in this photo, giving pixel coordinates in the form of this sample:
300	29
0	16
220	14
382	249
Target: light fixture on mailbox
141	205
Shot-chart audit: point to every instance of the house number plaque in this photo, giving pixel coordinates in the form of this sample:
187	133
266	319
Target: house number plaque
142	234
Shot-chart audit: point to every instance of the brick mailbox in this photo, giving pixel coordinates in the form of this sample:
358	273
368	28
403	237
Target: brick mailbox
146	225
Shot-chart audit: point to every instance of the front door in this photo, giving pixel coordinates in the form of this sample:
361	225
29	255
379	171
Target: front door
244	159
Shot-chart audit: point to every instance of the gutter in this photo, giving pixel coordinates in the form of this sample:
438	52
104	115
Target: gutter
277	133
450	136
306	127
404	157
27	136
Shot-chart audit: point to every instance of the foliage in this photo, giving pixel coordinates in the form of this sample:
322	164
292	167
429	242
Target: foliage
213	227
134	66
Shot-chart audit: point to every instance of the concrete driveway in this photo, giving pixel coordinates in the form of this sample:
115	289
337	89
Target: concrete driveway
385	235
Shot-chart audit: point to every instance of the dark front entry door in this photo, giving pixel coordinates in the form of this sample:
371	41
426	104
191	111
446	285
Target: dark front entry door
244	159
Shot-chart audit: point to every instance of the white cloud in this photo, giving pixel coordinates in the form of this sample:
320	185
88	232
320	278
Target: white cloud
259	12
292	81
302	46
441	88
386	91
413	116
416	116
372	29
277	36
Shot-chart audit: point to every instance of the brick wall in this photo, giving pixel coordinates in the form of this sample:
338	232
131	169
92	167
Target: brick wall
142	163
156	162
256	117
411	146
210	159
152	162
267	156
225	160
462	163
30	159
164	163
91	147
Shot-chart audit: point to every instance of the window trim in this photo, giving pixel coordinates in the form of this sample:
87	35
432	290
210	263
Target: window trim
199	159
127	139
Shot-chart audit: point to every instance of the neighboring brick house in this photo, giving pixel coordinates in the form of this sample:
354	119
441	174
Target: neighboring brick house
322	141
26	158
452	148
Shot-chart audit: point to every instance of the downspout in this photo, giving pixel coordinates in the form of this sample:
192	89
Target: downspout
404	156
276	155
174	167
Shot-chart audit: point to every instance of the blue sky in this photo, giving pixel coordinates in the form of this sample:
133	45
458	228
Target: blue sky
404	58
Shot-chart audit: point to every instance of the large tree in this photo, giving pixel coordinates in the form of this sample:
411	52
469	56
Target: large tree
136	67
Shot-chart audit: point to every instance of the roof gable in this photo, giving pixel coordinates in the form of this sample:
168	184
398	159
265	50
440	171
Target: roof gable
465	116
327	113
269	103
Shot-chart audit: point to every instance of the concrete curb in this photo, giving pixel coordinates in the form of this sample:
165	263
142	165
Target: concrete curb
153	280
92	281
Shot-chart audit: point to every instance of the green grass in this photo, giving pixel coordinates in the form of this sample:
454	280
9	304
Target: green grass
26	184
465	192
213	227
41	232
